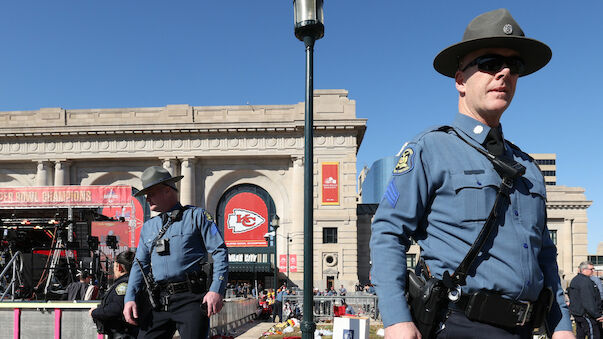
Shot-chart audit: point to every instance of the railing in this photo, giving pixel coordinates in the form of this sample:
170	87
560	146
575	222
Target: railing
17	259
324	306
70	319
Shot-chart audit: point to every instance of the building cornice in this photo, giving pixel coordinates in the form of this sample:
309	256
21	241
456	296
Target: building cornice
569	204
358	125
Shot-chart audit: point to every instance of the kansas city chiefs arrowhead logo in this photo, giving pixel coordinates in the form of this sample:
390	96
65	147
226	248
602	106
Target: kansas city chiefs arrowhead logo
241	221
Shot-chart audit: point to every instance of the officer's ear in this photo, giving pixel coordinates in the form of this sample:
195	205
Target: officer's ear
459	82
121	268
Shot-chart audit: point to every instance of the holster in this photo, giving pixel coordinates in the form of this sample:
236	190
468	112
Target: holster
542	309
427	300
100	326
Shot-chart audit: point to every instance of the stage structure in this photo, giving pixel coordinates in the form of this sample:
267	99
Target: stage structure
60	230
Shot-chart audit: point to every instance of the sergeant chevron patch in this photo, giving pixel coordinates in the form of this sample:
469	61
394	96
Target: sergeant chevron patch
392	194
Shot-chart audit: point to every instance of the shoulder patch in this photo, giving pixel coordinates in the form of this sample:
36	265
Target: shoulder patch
208	216
406	162
121	288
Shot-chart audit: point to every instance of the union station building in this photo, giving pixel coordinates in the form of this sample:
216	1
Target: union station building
244	164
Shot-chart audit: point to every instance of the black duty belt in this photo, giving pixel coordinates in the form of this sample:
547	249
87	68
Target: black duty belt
195	283
176	287
493	309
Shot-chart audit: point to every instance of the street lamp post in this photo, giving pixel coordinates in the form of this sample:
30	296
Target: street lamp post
289	240
308	28
288	259
275	223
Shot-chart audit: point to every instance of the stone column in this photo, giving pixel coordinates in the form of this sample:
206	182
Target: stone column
170	165
61	173
43	173
296	227
567	261
297	194
187	184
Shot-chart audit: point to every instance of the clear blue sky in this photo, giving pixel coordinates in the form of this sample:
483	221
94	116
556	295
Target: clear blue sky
103	54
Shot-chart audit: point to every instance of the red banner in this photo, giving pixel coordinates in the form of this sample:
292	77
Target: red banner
245	221
74	196
293	263
125	213
330	183
282	263
121	230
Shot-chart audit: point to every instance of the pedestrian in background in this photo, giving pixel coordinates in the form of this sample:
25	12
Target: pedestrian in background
585	302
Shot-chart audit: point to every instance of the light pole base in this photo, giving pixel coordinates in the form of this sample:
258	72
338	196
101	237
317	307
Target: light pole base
308	329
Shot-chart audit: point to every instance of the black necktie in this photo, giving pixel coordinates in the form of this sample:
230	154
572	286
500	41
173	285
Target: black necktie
494	142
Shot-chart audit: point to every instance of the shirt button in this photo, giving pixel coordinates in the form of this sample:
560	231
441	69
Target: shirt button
515	212
479	183
525	245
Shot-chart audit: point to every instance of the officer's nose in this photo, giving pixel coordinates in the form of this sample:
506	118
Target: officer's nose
504	72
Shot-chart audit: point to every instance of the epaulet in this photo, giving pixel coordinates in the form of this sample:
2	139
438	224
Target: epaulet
515	147
532	160
444	128
419	136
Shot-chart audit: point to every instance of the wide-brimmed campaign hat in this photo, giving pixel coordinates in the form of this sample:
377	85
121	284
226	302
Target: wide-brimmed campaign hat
156	175
495	29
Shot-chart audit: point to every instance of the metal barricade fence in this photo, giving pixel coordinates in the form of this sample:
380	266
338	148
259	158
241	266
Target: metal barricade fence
363	304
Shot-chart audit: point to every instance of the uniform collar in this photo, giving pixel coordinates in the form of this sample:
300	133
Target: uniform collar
178	206
122	278
473	128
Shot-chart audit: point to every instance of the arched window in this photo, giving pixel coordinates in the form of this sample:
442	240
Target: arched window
243	216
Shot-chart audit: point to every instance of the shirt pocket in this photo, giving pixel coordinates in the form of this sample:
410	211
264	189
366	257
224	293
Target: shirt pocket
533	205
474	195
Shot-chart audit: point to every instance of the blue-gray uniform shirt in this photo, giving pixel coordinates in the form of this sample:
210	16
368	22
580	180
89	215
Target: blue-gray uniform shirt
441	193
191	239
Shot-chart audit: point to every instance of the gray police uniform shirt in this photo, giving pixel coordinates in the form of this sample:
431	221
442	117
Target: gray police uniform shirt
441	193
191	239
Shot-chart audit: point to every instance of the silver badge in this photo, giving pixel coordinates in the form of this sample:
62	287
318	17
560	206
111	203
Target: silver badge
508	29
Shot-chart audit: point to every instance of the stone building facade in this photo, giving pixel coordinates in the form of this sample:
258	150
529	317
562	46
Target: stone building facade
216	149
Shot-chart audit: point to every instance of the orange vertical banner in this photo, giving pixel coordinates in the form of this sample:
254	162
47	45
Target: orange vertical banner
330	183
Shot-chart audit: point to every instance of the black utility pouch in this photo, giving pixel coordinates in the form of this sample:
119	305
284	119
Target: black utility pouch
491	308
198	282
427	300
484	307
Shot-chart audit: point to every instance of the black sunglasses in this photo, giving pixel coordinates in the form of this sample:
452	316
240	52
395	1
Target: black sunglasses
493	63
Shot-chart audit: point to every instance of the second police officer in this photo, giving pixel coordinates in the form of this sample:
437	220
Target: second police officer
108	315
175	244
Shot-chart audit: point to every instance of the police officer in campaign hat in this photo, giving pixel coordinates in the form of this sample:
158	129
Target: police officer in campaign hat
451	182
108	316
175	244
